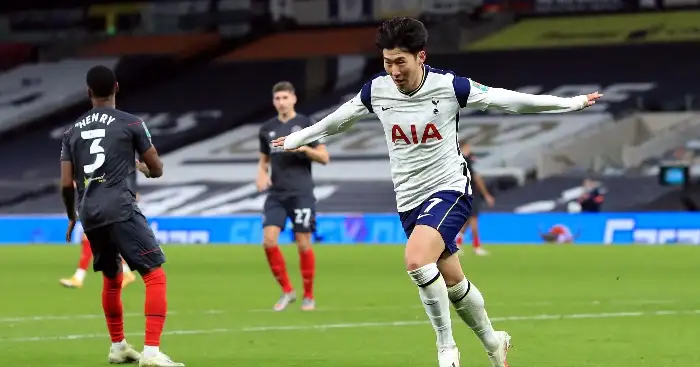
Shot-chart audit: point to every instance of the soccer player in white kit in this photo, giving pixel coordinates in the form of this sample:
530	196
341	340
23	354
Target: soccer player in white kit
418	107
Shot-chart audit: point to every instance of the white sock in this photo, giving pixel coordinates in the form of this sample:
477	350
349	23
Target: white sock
150	351
433	294
119	345
80	274
125	268
469	304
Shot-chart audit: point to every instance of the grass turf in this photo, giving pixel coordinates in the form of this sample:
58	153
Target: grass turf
583	306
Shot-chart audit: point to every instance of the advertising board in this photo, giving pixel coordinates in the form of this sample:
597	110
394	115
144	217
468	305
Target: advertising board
385	229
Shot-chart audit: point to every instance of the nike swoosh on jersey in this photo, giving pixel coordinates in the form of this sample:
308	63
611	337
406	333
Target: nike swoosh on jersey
423	215
386	108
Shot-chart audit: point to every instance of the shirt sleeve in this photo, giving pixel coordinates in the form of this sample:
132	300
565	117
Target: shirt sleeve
264	142
141	137
66	154
472	94
340	120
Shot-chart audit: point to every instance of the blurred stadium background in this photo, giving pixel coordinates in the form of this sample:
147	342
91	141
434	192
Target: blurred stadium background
200	74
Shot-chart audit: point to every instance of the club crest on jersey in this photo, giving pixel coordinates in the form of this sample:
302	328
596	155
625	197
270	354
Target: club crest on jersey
413	136
435	104
272	134
295	128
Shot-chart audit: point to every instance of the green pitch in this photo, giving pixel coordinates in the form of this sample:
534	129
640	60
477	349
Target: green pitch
564	306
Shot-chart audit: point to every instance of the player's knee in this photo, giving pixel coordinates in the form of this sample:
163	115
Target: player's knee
414	259
111	272
303	241
303	247
269	241
412	264
270	236
145	271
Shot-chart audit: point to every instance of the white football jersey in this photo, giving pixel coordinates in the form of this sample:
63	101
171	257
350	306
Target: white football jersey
421	127
421	134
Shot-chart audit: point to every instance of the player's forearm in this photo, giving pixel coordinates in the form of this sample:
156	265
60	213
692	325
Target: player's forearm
517	102
481	185
263	168
68	194
317	155
340	120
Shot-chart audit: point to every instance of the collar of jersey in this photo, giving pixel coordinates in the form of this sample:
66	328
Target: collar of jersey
426	69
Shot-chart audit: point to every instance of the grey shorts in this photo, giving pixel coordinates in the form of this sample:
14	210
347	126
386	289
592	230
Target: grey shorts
132	240
300	209
476	205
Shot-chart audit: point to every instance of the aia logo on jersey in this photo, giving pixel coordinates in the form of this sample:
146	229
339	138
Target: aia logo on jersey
415	135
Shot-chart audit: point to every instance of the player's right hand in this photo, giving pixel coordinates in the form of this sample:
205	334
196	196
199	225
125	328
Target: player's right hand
69	231
279	142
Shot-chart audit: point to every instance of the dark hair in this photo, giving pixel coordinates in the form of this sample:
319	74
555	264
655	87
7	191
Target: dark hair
283	87
101	81
405	33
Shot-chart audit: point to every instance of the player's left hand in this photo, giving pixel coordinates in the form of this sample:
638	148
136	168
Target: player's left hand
69	231
592	97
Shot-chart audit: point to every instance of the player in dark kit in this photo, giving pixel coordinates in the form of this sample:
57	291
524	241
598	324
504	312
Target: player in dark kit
473	221
290	194
98	153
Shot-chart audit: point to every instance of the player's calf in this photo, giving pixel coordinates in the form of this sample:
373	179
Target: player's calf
278	266
423	249
307	264
156	308
120	352
469	303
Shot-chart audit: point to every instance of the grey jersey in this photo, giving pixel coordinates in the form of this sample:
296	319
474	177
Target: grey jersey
102	145
291	171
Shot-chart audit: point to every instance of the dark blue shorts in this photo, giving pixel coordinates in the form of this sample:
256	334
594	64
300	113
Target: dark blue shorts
446	211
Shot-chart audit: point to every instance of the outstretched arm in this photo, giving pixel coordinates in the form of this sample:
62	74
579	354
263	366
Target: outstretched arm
475	95
342	119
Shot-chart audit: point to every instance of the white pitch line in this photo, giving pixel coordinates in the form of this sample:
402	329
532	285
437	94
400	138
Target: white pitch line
18	319
491	304
357	325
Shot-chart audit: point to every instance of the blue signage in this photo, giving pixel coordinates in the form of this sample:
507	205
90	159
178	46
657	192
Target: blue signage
495	228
